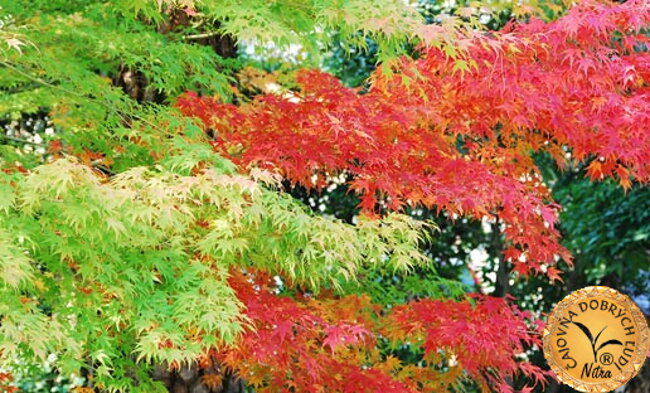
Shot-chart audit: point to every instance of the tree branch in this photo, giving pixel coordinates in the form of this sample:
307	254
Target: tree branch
73	93
20	140
201	36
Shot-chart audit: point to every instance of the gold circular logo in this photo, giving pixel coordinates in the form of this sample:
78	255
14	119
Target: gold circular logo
596	340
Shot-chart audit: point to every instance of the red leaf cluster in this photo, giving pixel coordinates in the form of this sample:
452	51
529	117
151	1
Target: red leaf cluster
482	334
302	345
329	344
457	133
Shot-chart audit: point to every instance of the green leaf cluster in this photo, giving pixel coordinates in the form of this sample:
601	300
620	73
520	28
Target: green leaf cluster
116	274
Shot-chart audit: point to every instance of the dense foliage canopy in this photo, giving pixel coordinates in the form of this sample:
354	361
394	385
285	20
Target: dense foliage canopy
155	152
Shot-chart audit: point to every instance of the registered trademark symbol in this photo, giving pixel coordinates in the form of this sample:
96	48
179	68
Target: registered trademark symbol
606	358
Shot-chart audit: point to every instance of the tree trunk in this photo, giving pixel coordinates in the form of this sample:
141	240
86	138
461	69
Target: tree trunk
502	283
135	84
199	380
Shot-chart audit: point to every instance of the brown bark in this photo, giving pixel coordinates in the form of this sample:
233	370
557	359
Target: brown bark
135	84
199	380
502	284
133	81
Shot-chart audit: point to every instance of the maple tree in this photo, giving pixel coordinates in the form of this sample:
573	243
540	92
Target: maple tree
136	237
569	91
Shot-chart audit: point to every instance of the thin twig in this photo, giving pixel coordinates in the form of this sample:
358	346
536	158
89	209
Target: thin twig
73	93
51	85
20	140
201	36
